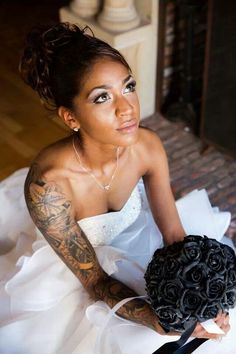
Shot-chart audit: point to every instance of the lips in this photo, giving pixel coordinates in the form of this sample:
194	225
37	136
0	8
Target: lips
128	127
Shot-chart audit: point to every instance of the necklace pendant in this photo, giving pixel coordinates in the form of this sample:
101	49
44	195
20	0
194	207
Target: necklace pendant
107	186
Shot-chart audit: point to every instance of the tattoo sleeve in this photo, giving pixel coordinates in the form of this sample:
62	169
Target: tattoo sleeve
52	212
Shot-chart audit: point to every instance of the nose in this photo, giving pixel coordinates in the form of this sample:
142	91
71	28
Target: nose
124	108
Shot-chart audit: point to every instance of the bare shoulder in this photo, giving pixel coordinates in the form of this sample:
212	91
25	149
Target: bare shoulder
46	184
149	138
55	155
150	147
47	199
51	163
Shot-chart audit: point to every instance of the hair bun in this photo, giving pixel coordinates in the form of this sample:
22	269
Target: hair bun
57	58
42	45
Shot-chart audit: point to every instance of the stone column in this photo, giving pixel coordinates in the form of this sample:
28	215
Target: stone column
85	8
138	44
118	15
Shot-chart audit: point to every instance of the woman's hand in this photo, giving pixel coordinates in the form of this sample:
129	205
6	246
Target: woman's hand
222	320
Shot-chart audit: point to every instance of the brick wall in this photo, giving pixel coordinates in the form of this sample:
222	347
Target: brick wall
174	77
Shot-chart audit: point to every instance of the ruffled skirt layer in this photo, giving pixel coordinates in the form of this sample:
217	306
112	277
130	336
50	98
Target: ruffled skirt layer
43	306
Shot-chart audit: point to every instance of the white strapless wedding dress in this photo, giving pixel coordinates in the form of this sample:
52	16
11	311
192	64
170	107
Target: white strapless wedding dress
43	306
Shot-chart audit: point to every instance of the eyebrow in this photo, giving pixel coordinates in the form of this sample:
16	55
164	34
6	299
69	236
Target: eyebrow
106	87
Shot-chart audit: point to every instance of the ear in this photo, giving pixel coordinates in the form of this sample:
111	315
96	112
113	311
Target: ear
68	117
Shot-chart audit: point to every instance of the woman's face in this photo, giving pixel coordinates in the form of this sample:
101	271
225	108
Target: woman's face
107	107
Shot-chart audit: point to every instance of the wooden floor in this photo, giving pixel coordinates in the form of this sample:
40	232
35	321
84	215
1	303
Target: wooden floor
25	125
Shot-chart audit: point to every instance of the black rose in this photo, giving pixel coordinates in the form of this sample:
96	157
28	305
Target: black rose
216	260
152	290
155	268
169	317
207	312
230	299
215	288
174	250
160	252
231	277
194	238
170	290
192	251
195	274
190	301
229	256
171	267
210	244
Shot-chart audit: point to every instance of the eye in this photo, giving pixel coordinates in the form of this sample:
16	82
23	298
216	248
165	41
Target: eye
102	98
130	87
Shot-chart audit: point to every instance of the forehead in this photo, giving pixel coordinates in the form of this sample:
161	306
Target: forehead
105	72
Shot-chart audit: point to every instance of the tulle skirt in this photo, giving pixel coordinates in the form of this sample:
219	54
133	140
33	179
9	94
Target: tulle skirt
43	306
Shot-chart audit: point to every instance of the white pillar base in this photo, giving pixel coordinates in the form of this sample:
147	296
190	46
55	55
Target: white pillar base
118	16
85	8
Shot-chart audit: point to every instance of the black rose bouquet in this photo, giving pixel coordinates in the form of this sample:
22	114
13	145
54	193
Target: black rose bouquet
191	281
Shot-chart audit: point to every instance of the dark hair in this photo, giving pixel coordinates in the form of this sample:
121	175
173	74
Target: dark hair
56	58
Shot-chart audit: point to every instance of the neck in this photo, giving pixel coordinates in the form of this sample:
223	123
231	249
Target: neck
97	156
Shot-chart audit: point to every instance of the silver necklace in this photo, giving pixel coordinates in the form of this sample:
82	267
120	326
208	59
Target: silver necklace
107	186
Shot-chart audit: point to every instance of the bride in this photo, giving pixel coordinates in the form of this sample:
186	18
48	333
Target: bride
101	202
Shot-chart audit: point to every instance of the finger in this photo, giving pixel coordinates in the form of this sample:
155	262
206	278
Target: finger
220	321
225	328
221	315
200	332
226	321
205	334
223	320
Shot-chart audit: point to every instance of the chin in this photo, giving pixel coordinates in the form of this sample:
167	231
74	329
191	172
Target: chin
129	139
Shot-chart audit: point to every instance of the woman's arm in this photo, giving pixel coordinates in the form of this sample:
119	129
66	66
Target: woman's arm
157	185
164	211
52	211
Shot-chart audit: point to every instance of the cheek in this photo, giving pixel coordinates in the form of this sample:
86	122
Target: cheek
100	119
135	102
103	114
133	98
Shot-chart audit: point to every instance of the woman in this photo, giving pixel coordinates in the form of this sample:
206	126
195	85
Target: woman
85	196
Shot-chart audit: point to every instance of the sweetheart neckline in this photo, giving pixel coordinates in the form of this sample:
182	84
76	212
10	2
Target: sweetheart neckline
111	212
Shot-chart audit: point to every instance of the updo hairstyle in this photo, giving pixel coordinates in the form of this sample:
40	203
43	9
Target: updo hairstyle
56	59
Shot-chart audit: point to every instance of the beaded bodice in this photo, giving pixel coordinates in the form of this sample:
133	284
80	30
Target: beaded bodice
102	229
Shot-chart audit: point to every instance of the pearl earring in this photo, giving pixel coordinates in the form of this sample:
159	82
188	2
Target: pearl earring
76	129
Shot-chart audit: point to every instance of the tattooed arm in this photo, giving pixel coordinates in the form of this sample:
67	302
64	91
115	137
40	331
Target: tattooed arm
52	212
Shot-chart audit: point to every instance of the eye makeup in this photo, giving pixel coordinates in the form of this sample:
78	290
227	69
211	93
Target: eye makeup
131	85
104	96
